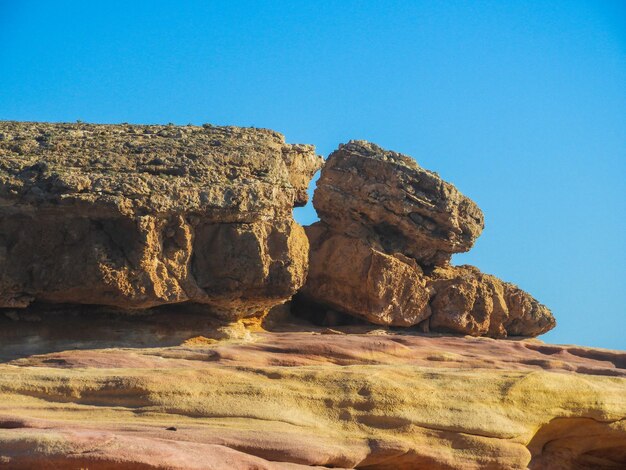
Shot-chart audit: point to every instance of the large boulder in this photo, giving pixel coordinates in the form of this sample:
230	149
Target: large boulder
348	275
387	199
138	216
464	300
381	251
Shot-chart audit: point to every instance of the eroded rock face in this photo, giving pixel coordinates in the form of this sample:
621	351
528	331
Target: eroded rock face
352	277
464	300
387	199
138	216
393	290
226	174
381	251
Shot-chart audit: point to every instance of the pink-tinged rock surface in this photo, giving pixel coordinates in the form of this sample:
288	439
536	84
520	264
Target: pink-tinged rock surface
144	393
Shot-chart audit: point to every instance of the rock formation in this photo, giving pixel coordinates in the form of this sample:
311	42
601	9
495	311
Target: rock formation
387	199
349	275
464	300
148	393
193	225
138	216
382	249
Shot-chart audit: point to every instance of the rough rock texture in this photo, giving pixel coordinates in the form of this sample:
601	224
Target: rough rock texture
464	300
387	199
128	217
137	216
352	277
138	392
381	251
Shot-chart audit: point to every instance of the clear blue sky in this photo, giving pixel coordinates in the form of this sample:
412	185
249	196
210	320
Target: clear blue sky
521	104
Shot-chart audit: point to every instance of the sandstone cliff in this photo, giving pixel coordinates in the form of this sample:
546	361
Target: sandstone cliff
191	229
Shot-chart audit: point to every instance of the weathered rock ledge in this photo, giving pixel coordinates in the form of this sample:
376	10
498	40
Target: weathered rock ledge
140	392
138	216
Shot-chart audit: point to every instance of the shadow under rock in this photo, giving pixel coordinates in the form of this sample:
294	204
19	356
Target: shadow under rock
46	328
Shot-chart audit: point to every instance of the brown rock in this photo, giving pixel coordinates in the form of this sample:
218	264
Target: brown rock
381	251
466	301
224	174
387	199
242	267
348	274
138	216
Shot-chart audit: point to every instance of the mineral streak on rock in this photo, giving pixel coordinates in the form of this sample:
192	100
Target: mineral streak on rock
136	216
397	206
381	251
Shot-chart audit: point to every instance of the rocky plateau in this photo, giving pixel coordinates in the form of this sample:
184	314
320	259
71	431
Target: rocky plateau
161	309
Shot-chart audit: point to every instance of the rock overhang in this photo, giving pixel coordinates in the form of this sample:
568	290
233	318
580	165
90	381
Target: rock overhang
135	216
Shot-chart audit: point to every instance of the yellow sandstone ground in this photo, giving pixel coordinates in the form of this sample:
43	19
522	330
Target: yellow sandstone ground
376	399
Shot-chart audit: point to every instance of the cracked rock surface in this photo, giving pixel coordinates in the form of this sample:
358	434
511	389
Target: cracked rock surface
137	216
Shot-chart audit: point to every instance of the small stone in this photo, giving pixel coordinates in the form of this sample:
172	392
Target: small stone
330	331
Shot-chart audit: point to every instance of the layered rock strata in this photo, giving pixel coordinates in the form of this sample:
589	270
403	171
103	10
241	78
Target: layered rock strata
129	217
382	248
134	392
137	216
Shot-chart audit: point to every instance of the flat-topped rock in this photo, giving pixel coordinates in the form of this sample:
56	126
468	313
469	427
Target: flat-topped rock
137	216
224	173
386	198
